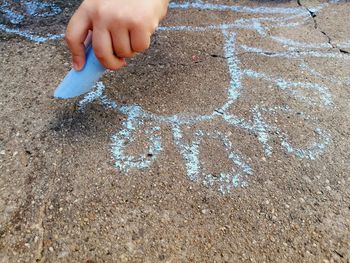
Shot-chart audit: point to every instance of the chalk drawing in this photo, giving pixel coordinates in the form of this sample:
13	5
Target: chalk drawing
140	122
31	9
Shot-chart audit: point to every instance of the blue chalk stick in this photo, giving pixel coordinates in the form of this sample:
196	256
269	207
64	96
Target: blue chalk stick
79	82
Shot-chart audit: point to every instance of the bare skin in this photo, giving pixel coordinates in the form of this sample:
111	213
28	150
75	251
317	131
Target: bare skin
121	29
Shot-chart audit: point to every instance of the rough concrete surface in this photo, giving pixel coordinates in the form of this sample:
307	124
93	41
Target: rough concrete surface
227	141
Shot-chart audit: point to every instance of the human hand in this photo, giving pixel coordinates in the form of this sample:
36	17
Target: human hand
120	29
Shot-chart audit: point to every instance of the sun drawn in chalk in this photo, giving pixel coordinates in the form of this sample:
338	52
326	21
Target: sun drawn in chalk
310	93
259	20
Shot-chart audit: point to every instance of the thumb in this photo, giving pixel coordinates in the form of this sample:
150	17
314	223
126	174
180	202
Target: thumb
76	33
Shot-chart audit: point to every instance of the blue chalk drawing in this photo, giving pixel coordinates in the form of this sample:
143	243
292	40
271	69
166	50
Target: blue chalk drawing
14	17
28	8
41	9
188	139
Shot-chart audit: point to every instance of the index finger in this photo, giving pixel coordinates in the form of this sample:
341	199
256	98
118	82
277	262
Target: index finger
76	33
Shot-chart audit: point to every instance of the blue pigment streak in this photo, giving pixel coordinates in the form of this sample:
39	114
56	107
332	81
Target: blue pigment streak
325	97
244	23
295	53
225	181
232	62
29	35
35	8
32	8
344	45
242	9
14	17
306	67
297	44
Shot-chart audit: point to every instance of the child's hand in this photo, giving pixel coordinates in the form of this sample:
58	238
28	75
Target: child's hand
120	28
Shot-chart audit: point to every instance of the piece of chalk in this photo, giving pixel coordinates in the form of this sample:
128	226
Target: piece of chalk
79	82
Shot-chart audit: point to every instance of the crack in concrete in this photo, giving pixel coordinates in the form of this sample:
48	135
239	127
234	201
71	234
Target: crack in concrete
313	16
344	51
215	55
317	27
219	56
286	53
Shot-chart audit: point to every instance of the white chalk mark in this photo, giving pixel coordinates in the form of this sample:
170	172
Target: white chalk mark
236	8
306	67
141	123
293	87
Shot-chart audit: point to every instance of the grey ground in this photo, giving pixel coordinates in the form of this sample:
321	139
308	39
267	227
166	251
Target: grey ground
62	199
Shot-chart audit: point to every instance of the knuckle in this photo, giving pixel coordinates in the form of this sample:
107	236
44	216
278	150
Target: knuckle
105	14
101	13
119	18
137	22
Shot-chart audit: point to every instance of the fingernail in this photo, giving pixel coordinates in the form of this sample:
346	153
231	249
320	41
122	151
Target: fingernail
77	63
124	63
